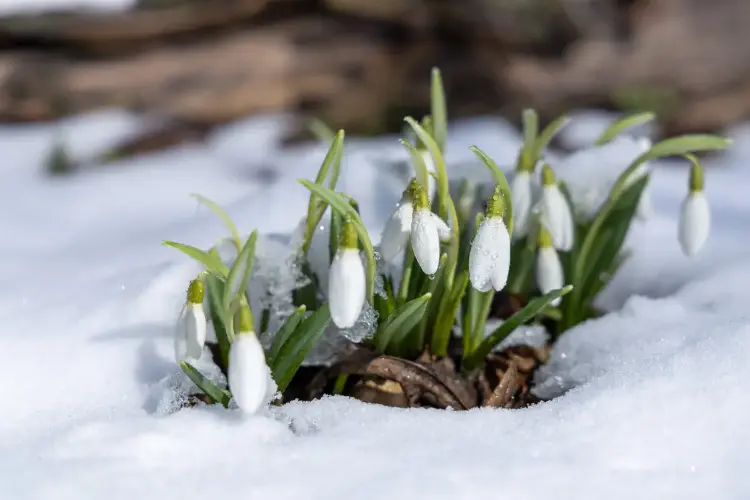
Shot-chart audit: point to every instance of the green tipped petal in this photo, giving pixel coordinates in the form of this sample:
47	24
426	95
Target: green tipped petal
545	238
418	195
196	291
348	235
243	320
548	175
696	175
496	204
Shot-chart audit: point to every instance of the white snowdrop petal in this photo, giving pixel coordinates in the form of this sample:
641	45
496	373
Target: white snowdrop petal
549	272
499	274
248	373
557	218
489	257
444	231
695	223
190	336
425	241
346	287
521	197
396	232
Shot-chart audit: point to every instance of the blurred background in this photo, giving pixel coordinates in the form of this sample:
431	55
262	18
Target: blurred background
363	65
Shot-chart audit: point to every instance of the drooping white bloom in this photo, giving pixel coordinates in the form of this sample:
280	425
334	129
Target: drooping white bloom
346	280
190	334
427	229
489	258
695	215
549	271
248	373
522	198
555	213
396	232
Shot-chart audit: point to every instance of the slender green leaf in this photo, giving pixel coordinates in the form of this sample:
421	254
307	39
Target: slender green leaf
476	358
437	156
675	146
447	316
297	346
549	132
206	386
314	209
281	337
320	130
212	264
438	110
239	275
337	202
530	129
224	216
220	319
420	169
499	178
401	321
623	124
334	234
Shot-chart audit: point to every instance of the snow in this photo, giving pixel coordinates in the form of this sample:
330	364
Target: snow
657	406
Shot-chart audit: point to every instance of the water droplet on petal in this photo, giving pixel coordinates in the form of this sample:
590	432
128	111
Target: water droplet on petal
376	255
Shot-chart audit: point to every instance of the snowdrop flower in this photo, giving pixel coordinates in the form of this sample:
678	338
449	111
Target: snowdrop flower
248	373
521	196
427	230
695	216
555	212
549	272
489	258
396	232
191	327
346	280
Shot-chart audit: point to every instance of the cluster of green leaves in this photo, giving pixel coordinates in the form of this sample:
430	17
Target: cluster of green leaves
597	253
419	312
227	292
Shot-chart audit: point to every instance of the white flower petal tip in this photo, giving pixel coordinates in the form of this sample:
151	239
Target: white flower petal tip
346	287
396	232
190	336
549	272
489	258
522	198
248	373
444	231
425	240
695	223
557	217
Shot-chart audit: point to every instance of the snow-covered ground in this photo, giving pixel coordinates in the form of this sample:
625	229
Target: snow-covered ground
89	296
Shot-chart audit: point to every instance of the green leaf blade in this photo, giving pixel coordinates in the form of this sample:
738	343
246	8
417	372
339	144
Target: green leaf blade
282	336
223	215
239	275
621	125
211	263
520	317
401	321
206	386
438	110
299	343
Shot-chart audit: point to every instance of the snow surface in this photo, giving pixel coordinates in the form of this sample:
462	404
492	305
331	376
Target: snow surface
658	406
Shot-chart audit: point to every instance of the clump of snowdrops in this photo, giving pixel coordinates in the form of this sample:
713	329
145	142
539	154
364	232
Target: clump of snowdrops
442	261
